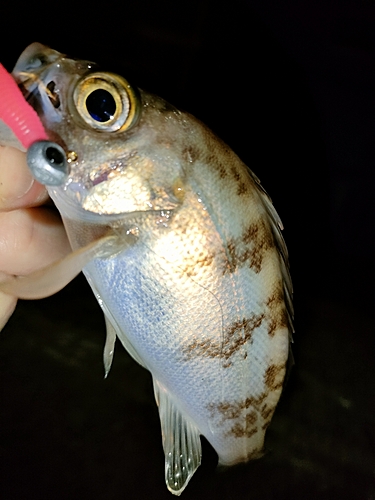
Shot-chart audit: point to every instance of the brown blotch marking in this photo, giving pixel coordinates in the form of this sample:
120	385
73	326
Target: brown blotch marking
247	423
233	410
235	336
243	184
277	315
250	248
242	188
220	167
227	364
191	154
194	262
235	173
246	426
251	418
271	375
280	322
276	298
272	327
227	410
240	431
266	412
222	170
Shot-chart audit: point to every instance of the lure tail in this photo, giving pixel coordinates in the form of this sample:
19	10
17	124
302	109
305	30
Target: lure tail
17	114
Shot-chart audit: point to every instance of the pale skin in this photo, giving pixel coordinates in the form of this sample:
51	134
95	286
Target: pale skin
31	232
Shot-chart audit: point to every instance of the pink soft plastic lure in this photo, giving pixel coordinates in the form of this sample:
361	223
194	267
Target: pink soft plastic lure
17	114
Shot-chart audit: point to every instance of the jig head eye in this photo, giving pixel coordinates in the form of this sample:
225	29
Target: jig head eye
47	162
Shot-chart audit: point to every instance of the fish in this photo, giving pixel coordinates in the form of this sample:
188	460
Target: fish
181	246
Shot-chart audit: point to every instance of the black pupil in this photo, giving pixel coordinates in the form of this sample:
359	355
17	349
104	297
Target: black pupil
54	156
101	105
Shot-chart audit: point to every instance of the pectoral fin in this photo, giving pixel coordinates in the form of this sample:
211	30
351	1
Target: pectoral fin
181	442
54	277
112	331
109	347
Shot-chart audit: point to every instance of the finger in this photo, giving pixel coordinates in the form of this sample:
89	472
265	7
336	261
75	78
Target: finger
17	186
31	239
51	279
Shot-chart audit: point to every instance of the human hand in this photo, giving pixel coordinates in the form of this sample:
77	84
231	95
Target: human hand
31	233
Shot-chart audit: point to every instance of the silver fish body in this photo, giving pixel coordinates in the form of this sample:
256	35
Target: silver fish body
197	287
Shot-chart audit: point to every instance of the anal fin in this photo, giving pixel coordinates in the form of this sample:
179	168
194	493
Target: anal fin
181	442
112	330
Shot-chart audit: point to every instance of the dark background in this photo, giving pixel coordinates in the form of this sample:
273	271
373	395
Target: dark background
289	86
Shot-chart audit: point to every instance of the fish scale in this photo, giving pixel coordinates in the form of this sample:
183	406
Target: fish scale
192	301
192	271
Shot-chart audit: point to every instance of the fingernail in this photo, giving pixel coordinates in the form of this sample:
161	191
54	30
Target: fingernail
27	185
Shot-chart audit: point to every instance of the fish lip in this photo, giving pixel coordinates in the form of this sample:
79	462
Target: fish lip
29	81
27	77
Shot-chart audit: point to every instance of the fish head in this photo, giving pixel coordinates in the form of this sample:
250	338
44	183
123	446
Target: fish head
119	142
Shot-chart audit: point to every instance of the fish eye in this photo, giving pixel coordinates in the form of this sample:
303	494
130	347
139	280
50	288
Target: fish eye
105	102
101	105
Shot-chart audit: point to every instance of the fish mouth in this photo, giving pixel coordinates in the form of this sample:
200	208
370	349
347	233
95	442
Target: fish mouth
32	83
36	70
32	68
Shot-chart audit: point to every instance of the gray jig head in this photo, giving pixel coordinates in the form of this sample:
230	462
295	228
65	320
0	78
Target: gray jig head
47	162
